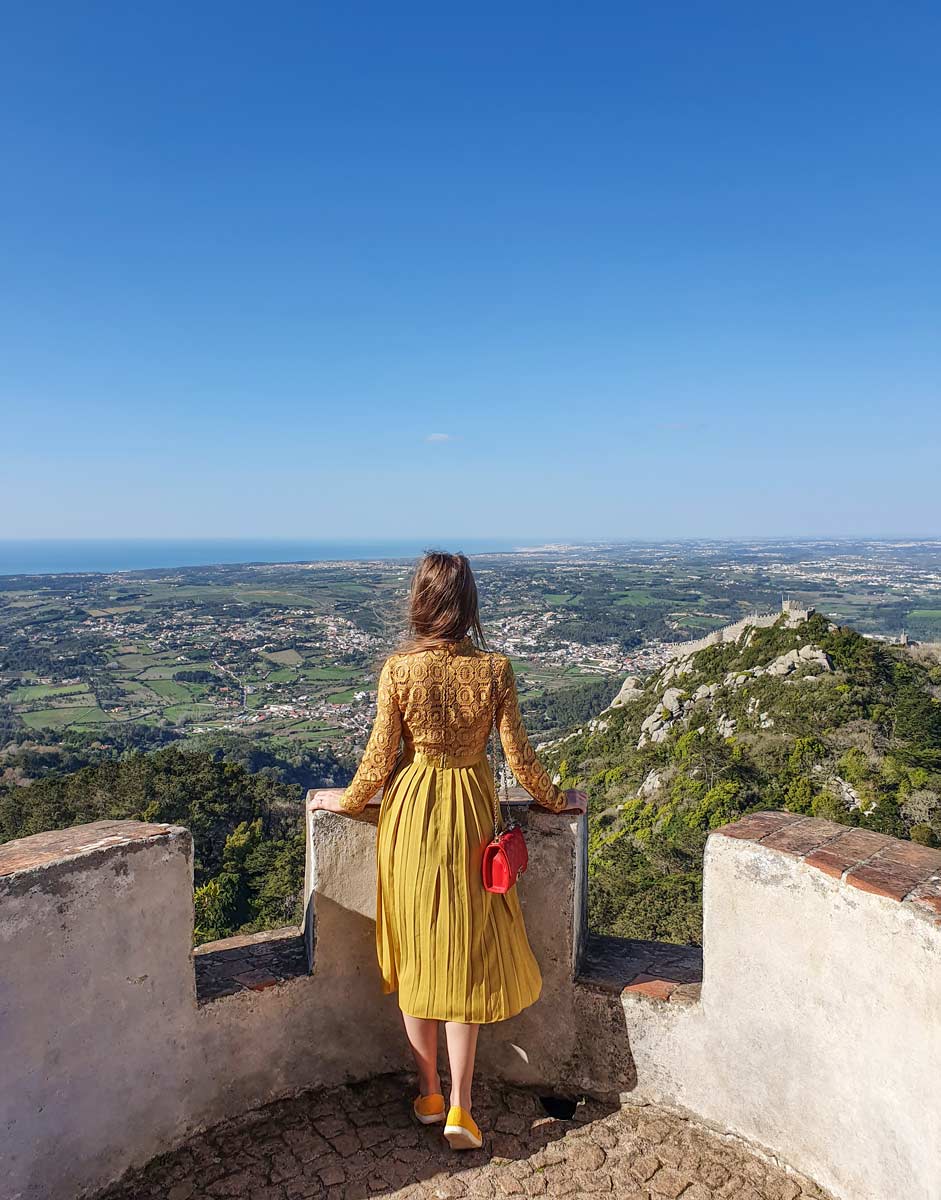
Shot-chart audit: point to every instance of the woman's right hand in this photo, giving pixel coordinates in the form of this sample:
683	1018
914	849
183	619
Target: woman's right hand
577	801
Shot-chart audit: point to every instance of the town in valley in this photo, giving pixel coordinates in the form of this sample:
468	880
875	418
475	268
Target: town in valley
288	653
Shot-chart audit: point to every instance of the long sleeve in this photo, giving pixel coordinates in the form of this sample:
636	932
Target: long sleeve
381	750
520	755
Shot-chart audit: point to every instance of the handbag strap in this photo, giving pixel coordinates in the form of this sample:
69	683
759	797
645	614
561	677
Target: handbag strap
494	742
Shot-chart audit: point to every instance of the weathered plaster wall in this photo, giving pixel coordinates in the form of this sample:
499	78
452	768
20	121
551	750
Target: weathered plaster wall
107	1060
96	1001
818	1035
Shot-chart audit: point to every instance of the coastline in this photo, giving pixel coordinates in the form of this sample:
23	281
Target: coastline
106	556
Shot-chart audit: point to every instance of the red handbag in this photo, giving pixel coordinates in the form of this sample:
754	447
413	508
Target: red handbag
505	856
505	859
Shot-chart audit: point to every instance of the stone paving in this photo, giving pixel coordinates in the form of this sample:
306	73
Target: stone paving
252	962
657	970
361	1141
256	961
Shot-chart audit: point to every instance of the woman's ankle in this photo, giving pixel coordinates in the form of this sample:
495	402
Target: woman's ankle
457	1101
431	1088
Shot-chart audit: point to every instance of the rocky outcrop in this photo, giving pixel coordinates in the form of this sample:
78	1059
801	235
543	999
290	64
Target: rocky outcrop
807	662
680	666
848	794
784	664
672	706
651	785
631	689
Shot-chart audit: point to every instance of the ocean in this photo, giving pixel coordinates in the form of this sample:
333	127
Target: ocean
60	557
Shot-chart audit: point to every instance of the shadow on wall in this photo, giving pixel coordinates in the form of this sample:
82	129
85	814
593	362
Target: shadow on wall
556	1043
814	1034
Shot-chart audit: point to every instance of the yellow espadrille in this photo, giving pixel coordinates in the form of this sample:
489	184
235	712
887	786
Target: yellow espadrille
461	1130
430	1110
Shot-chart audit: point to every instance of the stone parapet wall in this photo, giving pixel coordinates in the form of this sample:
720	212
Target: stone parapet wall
818	1034
108	1056
809	1027
96	991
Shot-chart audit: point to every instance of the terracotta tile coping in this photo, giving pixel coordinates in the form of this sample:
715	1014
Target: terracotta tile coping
61	845
872	862
652	988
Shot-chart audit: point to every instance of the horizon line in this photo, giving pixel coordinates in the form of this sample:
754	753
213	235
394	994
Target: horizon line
569	539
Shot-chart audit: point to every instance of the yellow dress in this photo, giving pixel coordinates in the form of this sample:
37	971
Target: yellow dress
454	951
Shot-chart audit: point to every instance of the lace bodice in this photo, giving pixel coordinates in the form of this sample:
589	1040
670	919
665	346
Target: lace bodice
440	701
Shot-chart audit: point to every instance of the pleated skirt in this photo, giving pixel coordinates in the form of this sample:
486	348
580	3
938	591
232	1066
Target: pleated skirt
452	950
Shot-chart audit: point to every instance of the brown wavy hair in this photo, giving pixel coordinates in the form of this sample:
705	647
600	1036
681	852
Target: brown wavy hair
443	603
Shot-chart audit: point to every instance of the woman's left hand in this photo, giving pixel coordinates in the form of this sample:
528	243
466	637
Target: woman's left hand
325	798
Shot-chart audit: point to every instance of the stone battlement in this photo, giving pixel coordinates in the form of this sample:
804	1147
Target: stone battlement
808	1028
794	612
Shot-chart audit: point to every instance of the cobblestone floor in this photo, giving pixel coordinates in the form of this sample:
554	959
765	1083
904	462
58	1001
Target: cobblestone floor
351	1143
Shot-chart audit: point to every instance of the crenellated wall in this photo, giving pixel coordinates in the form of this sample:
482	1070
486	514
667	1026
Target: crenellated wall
816	1033
794	612
107	1054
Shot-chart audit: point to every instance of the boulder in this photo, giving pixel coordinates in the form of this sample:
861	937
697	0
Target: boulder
813	654
631	689
651	784
654	721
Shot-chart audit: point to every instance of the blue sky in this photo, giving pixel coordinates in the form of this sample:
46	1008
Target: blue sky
435	271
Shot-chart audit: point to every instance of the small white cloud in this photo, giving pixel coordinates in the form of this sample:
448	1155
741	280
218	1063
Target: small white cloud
439	437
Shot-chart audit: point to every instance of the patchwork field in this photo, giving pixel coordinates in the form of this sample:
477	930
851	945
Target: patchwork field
282	652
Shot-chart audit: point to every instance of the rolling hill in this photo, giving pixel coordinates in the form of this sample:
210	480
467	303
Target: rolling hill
807	716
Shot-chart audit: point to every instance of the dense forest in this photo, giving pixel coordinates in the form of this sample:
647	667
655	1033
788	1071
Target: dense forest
245	816
849	730
555	712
